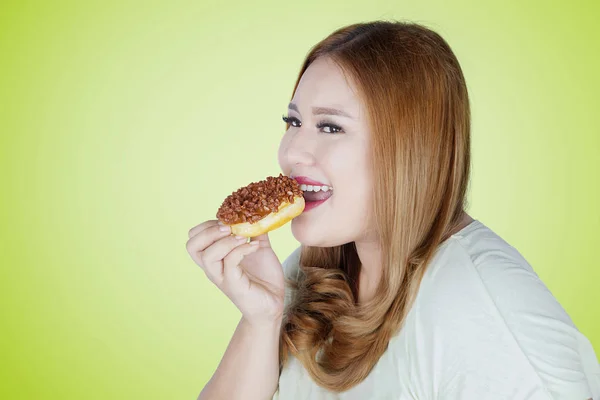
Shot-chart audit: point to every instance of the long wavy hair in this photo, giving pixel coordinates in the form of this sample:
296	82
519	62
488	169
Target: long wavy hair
418	108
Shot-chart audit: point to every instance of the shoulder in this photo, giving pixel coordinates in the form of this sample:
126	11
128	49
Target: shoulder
493	324
291	264
483	273
480	272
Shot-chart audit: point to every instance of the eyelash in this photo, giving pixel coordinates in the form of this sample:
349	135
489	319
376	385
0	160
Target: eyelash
335	128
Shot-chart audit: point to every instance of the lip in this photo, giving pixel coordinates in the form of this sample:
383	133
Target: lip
304	180
313	204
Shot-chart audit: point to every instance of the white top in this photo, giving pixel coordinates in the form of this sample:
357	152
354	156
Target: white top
483	326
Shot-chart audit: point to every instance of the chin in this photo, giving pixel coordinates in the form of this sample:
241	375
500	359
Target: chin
314	235
303	234
309	234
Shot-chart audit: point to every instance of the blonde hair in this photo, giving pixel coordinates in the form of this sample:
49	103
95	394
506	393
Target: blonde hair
418	108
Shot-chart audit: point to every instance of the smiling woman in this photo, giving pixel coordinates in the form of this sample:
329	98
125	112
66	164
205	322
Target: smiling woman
395	292
391	264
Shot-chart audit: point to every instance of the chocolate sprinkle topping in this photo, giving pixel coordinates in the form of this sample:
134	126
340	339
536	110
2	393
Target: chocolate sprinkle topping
255	201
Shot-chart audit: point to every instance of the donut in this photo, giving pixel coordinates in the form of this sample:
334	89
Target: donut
262	206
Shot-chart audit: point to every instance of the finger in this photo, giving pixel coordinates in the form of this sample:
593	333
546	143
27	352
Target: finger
199	228
263	240
232	272
214	255
205	237
218	250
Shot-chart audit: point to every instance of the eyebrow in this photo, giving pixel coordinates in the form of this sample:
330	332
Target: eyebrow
322	111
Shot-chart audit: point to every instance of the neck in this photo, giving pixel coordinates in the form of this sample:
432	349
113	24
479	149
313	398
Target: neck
369	253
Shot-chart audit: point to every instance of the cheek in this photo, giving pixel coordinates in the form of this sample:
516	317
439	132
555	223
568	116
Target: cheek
353	206
350	172
355	183
281	156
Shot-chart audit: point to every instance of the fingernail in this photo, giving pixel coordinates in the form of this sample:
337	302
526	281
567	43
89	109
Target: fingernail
255	243
240	237
224	229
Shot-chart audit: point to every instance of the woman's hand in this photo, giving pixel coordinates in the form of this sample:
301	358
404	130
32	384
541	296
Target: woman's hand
250	274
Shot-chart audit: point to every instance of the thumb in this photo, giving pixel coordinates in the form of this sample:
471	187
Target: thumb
232	270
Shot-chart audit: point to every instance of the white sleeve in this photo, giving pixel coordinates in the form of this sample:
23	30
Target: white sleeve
498	333
291	270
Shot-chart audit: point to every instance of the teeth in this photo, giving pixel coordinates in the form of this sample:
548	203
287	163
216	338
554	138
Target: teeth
314	188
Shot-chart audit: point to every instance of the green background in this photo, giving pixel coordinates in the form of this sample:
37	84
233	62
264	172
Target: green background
124	124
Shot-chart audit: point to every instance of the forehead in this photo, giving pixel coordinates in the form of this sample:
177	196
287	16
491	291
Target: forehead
323	84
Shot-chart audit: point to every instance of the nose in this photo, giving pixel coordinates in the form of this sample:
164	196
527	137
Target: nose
301	148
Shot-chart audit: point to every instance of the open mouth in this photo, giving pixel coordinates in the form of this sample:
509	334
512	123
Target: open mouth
316	193
314	196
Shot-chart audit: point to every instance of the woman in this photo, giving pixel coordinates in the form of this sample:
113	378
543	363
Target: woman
396	292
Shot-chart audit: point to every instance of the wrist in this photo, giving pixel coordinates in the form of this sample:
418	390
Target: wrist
265	326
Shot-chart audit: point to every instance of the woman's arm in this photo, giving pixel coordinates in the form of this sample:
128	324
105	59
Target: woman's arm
251	276
250	366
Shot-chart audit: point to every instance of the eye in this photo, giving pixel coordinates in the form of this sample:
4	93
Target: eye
295	122
333	127
291	120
